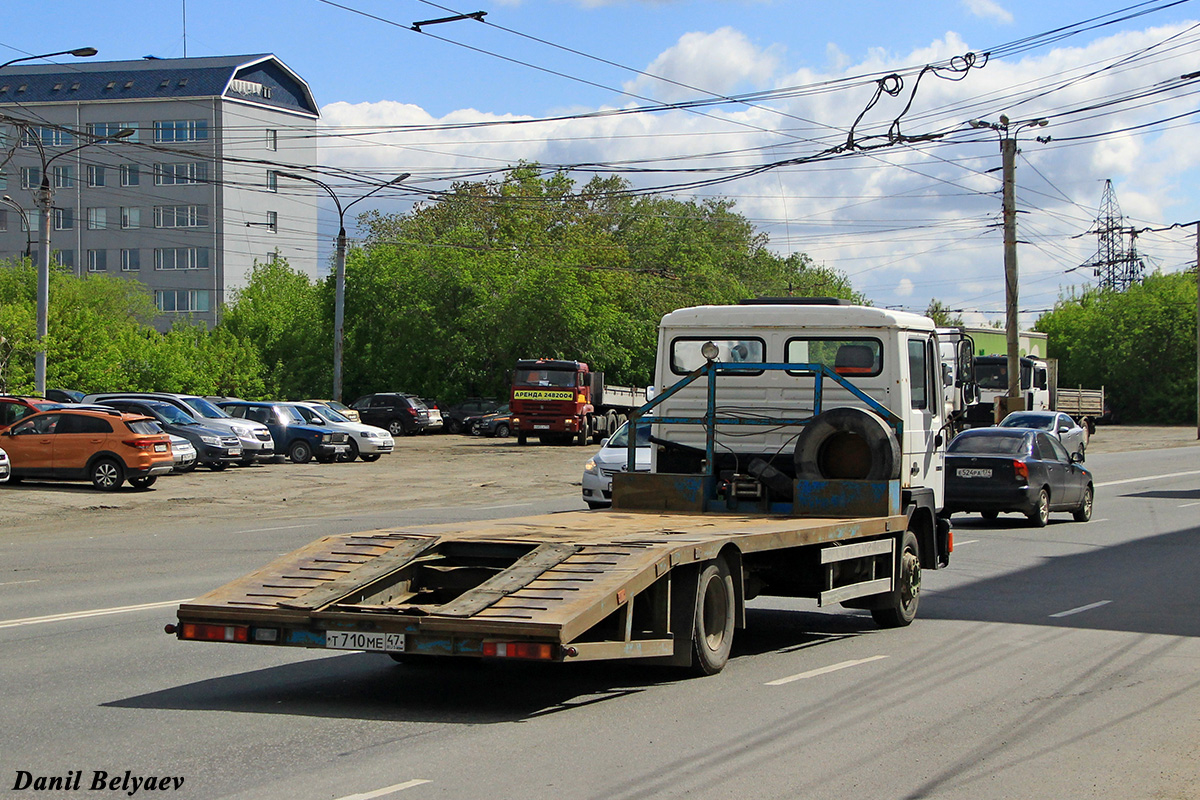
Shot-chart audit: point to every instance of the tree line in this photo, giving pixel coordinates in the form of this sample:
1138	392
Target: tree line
443	299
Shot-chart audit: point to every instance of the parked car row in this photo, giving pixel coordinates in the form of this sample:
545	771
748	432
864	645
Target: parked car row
115	437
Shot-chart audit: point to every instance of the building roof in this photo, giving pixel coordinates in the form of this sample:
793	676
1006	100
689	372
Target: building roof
261	80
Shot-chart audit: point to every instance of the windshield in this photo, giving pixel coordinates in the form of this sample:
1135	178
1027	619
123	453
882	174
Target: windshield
172	414
205	408
621	437
330	415
289	414
1015	444
543	377
334	404
1040	421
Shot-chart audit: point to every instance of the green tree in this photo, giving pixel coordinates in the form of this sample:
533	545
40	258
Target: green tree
943	316
1140	345
286	318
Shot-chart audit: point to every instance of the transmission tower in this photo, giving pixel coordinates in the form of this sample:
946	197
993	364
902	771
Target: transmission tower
1118	267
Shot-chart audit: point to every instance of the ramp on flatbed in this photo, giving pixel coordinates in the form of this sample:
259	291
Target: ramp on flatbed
552	576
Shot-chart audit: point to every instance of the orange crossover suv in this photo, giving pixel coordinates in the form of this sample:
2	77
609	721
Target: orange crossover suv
106	447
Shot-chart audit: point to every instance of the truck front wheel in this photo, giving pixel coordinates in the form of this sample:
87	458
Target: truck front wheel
907	593
712	637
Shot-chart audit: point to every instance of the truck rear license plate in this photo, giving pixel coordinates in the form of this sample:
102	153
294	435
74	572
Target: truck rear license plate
974	473
354	640
541	427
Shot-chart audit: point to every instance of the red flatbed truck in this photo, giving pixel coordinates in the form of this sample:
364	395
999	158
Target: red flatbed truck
564	401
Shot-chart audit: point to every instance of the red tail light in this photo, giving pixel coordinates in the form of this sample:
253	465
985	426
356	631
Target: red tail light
214	633
539	650
143	444
412	412
1020	470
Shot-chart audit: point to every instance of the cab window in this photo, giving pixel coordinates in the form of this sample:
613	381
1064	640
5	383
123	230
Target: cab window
918	373
686	356
853	357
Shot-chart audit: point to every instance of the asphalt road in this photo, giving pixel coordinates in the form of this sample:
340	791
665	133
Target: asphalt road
1045	663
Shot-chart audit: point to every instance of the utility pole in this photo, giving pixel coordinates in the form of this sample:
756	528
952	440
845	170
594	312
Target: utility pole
1008	158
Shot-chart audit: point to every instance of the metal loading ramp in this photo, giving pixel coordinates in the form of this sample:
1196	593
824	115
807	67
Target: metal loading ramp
553	577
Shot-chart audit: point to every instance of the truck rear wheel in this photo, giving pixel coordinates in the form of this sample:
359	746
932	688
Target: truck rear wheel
712	636
907	594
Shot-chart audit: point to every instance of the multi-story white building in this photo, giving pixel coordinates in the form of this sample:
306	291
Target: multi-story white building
190	200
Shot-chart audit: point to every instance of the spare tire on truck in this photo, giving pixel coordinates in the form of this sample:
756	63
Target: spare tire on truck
847	444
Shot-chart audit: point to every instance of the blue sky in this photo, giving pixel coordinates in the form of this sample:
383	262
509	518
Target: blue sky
907	222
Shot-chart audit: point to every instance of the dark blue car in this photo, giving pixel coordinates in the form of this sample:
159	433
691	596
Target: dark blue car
293	436
991	470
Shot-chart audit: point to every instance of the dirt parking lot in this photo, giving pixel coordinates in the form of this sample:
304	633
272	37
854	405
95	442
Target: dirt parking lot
425	471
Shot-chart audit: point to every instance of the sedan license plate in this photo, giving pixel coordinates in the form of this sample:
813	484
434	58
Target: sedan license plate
974	473
541	427
161	447
355	640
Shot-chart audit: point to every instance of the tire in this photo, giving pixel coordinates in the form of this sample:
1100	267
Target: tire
454	426
716	606
370	456
189	468
248	461
396	428
522	439
584	433
990	516
13	480
502	431
352	453
1084	512
216	466
144	482
593	505
847	444
107	475
1039	515
907	595
300	452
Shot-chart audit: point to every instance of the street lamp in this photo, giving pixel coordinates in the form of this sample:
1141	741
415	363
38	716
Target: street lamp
45	201
339	292
1008	153
78	52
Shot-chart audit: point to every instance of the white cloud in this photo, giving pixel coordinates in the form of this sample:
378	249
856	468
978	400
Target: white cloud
988	9
719	62
904	288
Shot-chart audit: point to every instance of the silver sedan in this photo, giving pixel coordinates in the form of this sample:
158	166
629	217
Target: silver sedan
1073	436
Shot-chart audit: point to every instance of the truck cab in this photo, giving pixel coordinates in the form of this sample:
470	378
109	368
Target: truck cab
992	374
892	357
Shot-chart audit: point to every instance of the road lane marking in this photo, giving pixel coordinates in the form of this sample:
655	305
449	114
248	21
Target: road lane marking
95	612
14	583
493	508
396	787
1081	609
280	528
812	673
1149	478
1185	505
967	541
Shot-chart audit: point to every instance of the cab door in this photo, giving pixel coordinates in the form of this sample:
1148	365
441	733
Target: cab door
924	444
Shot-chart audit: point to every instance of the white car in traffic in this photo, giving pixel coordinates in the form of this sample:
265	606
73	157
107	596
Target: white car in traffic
1074	437
611	458
366	441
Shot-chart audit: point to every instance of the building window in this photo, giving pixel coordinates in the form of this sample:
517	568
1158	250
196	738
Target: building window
130	175
64	219
3	177
273	221
48	136
131	260
181	216
272	139
107	130
35	222
3	219
181	130
31	177
97	219
180	174
181	300
96	175
169	258
131	217
97	260
64	177
65	258
272	181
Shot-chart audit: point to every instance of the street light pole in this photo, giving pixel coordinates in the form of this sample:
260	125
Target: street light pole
45	201
78	52
1008	159
339	290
